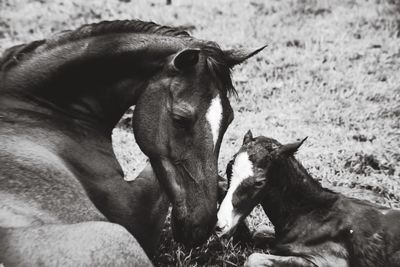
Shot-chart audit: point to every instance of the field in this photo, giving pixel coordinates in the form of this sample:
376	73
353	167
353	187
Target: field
331	72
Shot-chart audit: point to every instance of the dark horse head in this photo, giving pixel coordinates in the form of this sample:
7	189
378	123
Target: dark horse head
186	112
89	77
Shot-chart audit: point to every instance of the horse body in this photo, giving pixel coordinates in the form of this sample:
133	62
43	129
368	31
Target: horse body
61	168
59	101
313	225
43	190
44	203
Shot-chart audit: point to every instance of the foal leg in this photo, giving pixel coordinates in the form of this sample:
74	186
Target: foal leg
81	244
259	259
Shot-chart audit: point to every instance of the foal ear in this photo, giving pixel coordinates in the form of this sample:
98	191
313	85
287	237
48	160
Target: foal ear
289	149
248	137
186	58
237	56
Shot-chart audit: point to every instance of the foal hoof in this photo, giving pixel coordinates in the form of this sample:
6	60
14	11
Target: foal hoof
257	260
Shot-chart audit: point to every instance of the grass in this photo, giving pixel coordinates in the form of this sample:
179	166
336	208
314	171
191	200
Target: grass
330	72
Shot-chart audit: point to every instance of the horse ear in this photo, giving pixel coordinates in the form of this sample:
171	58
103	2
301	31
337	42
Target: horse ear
237	56
248	137
289	149
186	58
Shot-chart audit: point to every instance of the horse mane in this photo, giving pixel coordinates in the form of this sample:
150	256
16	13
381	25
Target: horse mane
219	67
216	60
16	53
217	63
118	26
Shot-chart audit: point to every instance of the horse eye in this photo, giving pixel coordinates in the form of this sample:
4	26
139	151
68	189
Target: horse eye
181	121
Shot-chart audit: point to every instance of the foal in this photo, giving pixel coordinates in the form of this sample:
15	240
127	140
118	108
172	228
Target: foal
313	225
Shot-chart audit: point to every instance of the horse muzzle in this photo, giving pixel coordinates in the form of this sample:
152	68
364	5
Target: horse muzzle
192	232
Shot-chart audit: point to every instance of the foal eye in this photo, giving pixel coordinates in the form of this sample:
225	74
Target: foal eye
259	183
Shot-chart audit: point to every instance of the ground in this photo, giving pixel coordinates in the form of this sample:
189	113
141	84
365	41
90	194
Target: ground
331	72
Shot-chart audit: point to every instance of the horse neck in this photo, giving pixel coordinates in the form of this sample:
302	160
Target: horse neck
94	79
291	193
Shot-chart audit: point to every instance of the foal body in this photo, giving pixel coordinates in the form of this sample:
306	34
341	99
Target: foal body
313	225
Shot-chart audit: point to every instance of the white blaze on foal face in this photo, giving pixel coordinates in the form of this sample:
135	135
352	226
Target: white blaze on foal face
214	117
228	218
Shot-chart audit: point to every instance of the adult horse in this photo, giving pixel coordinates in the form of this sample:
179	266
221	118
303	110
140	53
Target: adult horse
62	197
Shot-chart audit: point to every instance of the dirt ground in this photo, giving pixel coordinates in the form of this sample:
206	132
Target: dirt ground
331	72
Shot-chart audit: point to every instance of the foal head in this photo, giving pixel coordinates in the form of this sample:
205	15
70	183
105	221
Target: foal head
179	122
248	178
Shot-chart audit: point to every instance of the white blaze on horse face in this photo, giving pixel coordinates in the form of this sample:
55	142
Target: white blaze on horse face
228	218
214	117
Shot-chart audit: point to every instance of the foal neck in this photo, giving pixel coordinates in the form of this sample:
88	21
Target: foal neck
291	193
